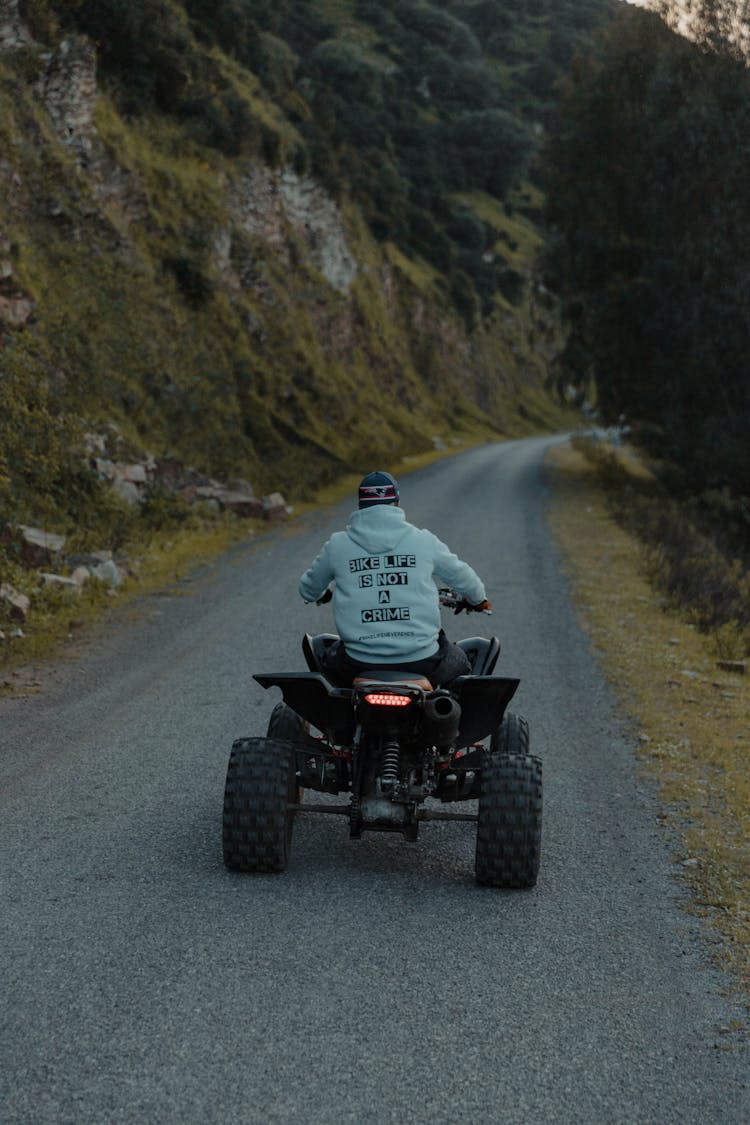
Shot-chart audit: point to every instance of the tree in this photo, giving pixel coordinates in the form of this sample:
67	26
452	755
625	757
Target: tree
647	181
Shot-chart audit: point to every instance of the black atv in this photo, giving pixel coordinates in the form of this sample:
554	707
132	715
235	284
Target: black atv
391	741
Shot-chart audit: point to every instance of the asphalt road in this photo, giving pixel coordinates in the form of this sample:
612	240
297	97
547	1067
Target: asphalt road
374	981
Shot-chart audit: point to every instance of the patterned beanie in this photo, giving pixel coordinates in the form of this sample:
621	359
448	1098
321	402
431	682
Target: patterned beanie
378	488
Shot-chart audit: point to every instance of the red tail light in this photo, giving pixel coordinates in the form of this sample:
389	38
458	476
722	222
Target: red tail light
387	699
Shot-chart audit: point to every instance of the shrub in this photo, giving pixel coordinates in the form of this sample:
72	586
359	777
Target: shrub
40	20
485	149
144	47
223	119
683	559
511	285
195	286
463	296
431	24
342	67
275	63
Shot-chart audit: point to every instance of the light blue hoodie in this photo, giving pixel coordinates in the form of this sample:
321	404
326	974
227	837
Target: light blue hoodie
385	599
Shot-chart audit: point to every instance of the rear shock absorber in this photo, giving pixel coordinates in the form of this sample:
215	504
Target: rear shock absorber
390	764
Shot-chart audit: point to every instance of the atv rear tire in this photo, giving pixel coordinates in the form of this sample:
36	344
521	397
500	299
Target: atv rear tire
509	825
285	723
288	725
511	737
257	822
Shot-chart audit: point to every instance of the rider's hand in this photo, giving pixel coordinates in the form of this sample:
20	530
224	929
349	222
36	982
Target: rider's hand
326	597
480	607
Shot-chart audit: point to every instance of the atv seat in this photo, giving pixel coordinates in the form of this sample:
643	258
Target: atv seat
315	648
482	652
391	676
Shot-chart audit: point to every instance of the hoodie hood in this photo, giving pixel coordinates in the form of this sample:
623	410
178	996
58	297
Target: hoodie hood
378	529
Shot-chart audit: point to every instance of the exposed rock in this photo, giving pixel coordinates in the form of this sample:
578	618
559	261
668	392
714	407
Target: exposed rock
738	667
314	213
18	603
16	306
69	91
209	503
108	572
113	470
267	200
85	562
31	546
95	443
222	260
274	507
242	504
13	31
237	485
248	507
61	583
15	310
135	474
170	472
6	265
126	490
128	481
117	190
105	468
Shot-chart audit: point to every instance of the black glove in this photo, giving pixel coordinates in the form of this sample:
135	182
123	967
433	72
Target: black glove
326	597
480	607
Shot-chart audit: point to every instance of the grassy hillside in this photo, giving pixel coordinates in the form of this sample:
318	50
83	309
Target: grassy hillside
158	280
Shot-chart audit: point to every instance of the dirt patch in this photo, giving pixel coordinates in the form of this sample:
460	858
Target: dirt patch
693	715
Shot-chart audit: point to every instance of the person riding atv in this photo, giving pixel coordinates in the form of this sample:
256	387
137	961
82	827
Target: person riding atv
385	601
389	713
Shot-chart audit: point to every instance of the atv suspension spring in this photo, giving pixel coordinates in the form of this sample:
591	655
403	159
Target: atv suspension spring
389	773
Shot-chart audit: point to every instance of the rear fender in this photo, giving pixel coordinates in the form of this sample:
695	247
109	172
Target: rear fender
311	696
483	702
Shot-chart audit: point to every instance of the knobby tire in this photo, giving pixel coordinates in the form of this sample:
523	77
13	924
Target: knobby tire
257	822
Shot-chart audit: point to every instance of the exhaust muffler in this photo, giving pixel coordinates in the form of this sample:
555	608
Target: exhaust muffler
441	719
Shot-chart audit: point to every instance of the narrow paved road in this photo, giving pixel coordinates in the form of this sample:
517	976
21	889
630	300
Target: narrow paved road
374	981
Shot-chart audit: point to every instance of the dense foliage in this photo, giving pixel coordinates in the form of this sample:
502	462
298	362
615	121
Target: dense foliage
647	185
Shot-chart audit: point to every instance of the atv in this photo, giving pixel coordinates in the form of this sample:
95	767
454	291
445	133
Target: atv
391	742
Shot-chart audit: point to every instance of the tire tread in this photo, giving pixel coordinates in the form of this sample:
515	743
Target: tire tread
510	820
256	823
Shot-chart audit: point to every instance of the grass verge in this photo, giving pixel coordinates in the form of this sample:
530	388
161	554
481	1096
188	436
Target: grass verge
59	618
693	718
